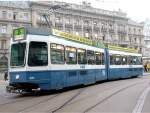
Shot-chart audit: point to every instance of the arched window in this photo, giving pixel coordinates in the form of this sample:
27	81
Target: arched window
3	62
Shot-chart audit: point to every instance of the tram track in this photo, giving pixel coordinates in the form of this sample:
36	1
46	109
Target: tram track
110	96
100	102
68	101
49	99
17	99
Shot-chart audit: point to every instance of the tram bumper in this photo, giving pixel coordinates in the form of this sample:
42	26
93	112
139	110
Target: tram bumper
28	81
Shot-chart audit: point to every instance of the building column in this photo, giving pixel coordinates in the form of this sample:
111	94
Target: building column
92	30
82	27
34	18
63	22
53	20
116	31
100	30
73	29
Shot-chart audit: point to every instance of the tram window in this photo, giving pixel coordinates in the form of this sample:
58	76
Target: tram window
112	59
18	54
136	60
124	60
38	54
118	60
99	58
82	56
129	59
90	57
115	60
57	54
140	60
71	55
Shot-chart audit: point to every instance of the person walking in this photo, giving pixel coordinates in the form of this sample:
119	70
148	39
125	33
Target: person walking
145	68
6	76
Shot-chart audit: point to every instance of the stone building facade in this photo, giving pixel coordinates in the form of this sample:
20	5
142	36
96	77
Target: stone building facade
97	24
146	52
12	15
112	27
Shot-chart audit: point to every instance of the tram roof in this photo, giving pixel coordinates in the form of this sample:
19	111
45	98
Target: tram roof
23	31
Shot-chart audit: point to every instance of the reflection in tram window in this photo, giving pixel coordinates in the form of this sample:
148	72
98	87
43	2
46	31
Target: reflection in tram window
118	60
99	57
71	55
124	60
129	59
90	57
38	54
57	54
18	54
82	56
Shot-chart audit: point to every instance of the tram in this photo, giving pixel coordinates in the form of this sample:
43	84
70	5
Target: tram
50	60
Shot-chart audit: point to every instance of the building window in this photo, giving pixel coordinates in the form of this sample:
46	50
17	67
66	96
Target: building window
103	37
9	16
4	14
129	30
58	19
15	15
76	22
139	31
26	16
68	20
135	40
3	44
14	26
95	23
86	34
134	31
86	22
4	29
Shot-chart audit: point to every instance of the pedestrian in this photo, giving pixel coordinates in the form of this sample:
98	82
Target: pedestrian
6	76
145	68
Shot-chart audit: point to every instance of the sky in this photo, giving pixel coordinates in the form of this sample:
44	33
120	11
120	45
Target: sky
137	10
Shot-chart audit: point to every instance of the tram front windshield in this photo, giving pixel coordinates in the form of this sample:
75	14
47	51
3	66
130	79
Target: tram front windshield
17	54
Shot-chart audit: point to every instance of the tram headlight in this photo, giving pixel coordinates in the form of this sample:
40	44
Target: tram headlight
17	77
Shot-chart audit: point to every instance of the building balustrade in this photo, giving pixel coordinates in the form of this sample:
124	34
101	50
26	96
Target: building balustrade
104	29
122	32
111	30
4	51
16	21
5	35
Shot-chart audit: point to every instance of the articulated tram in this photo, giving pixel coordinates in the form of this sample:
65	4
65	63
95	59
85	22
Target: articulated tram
44	60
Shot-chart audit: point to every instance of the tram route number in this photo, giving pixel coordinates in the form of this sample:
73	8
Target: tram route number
82	66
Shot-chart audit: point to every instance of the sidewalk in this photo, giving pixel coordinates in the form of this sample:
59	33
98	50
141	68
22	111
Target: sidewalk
146	73
2	82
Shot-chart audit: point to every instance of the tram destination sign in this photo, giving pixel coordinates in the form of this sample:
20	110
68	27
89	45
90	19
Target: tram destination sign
19	34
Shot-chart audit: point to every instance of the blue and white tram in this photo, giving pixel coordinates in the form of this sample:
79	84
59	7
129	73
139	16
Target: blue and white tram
124	64
42	61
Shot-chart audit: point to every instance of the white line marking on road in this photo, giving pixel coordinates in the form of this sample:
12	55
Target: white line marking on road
140	103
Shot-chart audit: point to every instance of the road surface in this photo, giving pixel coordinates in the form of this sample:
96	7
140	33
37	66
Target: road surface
121	96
